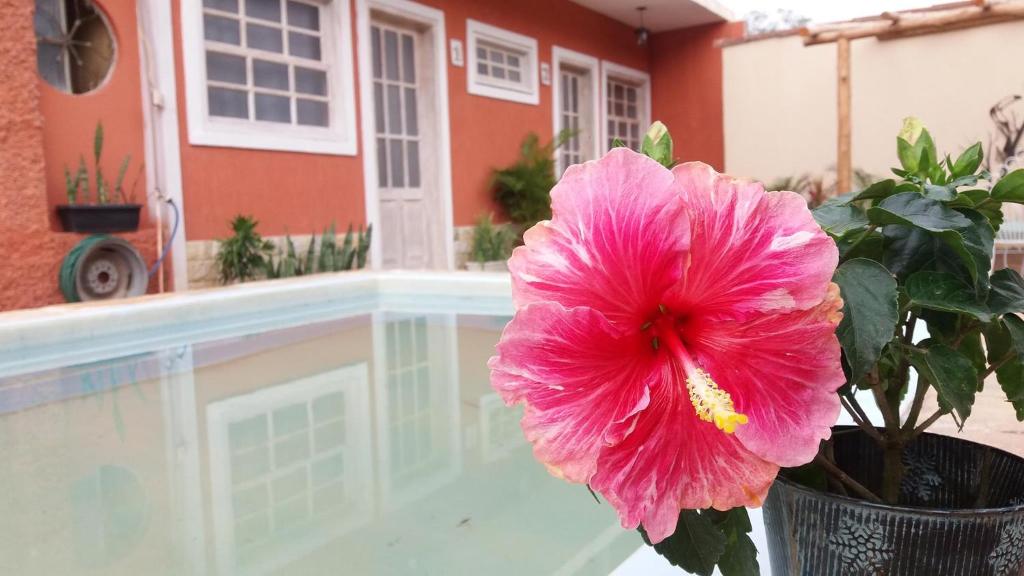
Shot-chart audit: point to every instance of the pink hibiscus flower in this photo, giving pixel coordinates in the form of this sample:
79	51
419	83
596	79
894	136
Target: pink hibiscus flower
674	337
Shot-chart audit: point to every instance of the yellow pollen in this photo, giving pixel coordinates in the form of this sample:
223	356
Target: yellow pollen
712	403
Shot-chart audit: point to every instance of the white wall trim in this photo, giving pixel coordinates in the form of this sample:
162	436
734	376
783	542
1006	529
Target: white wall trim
639	77
339	139
160	119
475	30
433	20
559	56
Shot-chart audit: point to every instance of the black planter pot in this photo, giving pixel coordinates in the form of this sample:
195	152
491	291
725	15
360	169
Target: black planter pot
99	218
961	513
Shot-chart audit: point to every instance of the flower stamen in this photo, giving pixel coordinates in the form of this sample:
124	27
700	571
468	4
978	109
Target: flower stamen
712	403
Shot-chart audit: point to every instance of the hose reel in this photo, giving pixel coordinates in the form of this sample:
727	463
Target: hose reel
102	267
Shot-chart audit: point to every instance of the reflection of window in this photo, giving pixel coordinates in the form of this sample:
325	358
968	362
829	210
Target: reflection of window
626	105
499	427
75	50
417	404
271	67
290	460
502	64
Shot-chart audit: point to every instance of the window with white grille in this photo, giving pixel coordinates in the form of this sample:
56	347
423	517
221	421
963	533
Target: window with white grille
272	68
502	64
627	105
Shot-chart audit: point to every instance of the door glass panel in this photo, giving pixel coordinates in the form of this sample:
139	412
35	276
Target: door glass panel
391	54
412	150
397	161
382	163
394	109
411	121
408	69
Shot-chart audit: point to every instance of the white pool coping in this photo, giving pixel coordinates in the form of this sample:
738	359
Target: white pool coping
32	339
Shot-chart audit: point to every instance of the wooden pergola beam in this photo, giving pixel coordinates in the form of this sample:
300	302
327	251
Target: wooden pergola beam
844	148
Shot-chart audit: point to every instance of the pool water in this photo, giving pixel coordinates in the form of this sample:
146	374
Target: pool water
362	443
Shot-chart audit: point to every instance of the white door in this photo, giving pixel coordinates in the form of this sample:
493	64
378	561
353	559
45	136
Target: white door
410	216
575	114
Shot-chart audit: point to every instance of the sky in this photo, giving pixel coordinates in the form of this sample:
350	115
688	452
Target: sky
827	10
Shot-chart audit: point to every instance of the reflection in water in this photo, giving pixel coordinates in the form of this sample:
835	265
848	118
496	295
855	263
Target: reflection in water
364	445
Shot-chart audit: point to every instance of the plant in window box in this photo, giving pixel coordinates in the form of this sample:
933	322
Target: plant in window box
110	208
491	246
684	342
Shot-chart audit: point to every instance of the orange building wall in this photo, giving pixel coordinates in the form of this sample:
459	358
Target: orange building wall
686	89
31	123
302	193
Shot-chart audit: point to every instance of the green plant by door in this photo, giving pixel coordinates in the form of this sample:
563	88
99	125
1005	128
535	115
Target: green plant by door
523	189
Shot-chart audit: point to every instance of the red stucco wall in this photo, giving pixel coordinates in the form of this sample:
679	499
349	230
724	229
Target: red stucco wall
302	193
33	248
686	89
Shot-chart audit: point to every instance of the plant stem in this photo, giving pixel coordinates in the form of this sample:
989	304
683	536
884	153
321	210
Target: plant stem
996	366
924	425
892	477
850	483
860	419
891	424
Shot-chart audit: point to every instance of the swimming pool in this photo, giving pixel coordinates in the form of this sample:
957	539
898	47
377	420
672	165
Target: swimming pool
341	424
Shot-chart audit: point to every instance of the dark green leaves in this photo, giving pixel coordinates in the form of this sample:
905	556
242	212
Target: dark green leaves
696	546
870	312
951	373
1005	343
1007	294
912	209
740	556
839	219
877	191
945	292
1010	188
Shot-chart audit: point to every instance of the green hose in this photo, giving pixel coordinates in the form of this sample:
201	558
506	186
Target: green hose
68	270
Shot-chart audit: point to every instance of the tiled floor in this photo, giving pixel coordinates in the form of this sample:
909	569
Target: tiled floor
992	421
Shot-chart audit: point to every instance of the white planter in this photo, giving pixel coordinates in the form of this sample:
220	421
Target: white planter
496	266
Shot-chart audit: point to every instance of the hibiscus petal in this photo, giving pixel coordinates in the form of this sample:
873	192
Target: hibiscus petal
616	241
750	251
673	460
581	382
782	371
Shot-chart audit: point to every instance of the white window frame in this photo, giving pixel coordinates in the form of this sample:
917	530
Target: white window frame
632	75
591	64
340	138
477	32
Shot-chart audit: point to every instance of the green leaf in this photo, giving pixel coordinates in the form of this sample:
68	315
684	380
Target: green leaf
657	145
945	292
951	373
879	190
912	209
1007	338
740	555
968	161
870	312
1010	188
907	249
696	546
940	193
838	220
1007	294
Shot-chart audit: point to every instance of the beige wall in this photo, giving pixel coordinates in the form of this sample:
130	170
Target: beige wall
780	97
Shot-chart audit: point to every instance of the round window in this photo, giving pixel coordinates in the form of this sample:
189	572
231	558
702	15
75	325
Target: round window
75	47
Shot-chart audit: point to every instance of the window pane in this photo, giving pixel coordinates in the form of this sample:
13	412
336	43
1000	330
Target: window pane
497	57
481	69
270	74
265	9
218	29
514	76
382	163
394	110
498	72
412	148
303	46
273	108
378	106
619	111
631	111
631	94
375	43
225	5
225	68
481	53
50	59
513	61
411	119
390	55
228	103
263	38
618	91
304	16
408	59
312	112
397	161
310	81
574	89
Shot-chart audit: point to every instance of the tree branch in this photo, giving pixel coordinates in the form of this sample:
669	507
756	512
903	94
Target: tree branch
924	426
860	419
846	480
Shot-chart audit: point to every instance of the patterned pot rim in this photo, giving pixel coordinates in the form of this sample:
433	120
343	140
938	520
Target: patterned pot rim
915	510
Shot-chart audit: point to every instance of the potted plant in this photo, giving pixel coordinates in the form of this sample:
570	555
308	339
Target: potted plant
111	209
684	341
491	246
523	189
